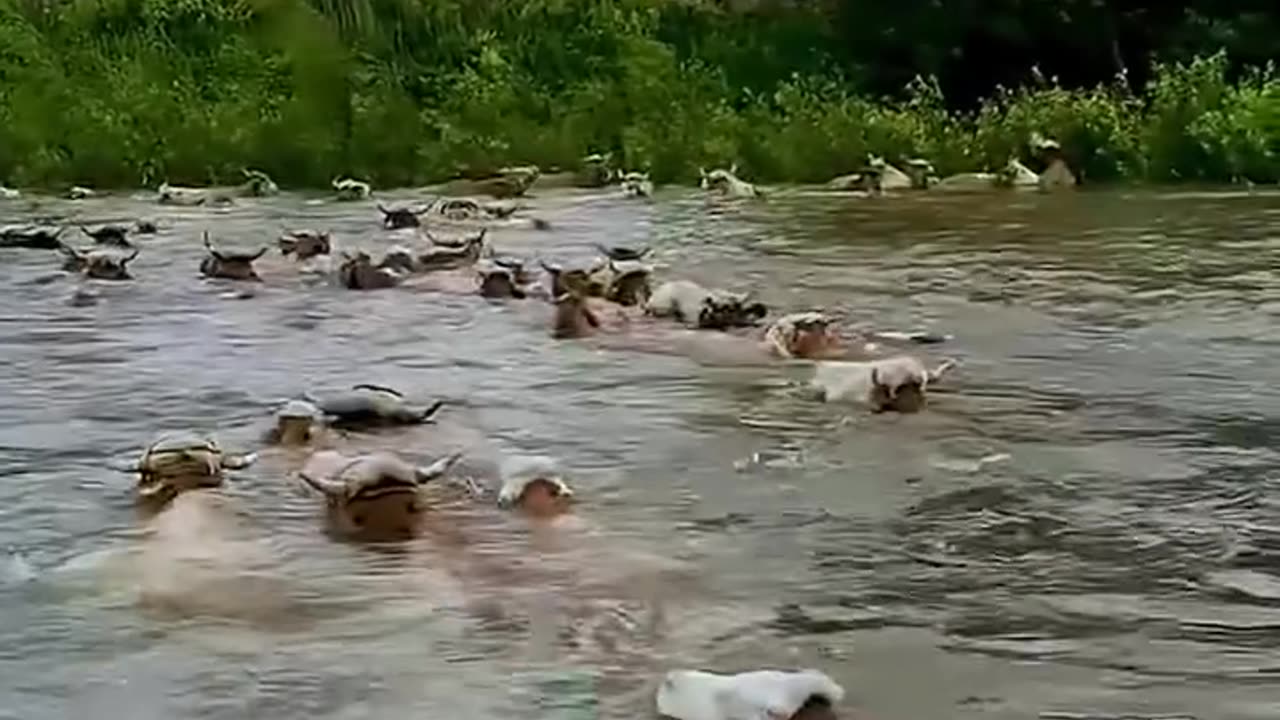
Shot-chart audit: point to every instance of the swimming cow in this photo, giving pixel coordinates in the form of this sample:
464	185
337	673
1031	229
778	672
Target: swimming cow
400	259
191	196
507	182
31	236
625	282
636	184
1056	175
696	306
573	316
448	256
368	406
518	267
802	335
357	272
534	488
257	184
896	383
866	181
199	553
921	172
459	209
305	244
512	181
183	460
1016	175
114	235
595	172
918	176
577	315
349	189
623	253
565	279
168	194
813	335
762	694
726	183
97	264
377	495
1013	175
400	217
229	266
503	278
299	422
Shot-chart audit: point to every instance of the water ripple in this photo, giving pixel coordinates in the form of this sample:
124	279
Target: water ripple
1087	508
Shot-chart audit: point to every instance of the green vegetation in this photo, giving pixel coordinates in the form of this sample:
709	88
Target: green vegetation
118	93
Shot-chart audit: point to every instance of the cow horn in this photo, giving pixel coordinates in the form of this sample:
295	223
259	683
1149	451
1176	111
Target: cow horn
325	486
437	469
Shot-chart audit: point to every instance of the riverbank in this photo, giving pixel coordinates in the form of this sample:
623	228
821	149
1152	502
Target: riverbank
132	93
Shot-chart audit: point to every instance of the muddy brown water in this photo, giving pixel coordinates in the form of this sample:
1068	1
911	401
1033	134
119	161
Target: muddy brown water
1123	560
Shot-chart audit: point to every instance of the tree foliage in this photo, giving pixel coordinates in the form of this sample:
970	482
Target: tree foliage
128	92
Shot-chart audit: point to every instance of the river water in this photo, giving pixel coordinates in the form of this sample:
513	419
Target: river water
1084	523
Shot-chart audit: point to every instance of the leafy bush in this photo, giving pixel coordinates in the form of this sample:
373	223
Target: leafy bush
129	92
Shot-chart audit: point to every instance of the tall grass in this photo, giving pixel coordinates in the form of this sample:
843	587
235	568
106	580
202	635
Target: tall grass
128	92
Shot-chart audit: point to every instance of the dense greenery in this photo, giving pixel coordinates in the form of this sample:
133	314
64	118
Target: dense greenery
128	92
